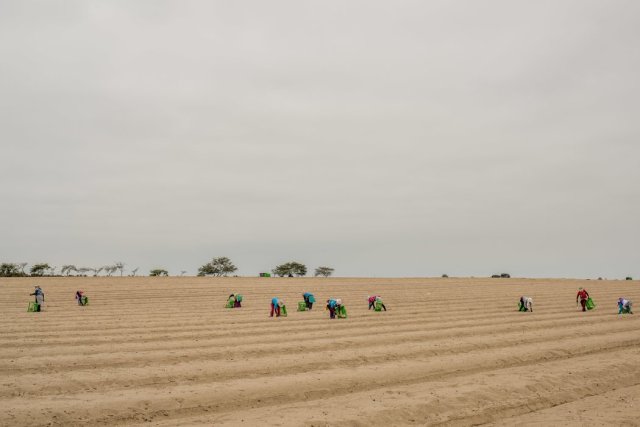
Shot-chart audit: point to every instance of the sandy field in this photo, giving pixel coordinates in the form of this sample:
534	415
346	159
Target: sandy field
164	351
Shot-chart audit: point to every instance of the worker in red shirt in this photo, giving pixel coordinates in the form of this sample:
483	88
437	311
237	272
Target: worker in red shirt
582	296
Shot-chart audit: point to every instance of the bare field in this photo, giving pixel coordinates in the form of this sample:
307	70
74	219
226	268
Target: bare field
164	351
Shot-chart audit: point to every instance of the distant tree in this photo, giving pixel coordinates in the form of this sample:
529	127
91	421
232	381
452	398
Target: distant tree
9	269
444	276
323	271
183	272
21	266
290	269
220	266
39	270
110	269
629	278
67	269
120	266
134	271
96	271
158	272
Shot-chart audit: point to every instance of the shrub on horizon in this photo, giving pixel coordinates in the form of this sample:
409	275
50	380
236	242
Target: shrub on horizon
9	269
38	270
156	272
67	269
218	267
323	271
290	269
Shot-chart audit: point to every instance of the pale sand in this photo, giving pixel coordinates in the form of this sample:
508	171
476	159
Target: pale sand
165	351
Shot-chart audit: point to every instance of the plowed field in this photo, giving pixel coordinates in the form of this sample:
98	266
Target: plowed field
448	351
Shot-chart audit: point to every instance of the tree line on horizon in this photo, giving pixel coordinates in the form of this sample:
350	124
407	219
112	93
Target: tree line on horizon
9	269
217	267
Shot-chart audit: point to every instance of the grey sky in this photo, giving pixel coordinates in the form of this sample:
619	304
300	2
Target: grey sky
400	138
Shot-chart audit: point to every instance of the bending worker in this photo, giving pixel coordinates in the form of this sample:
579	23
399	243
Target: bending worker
309	299
624	306
276	304
332	306
526	304
79	295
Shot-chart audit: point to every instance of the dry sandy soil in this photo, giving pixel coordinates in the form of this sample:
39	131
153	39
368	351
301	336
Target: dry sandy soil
164	351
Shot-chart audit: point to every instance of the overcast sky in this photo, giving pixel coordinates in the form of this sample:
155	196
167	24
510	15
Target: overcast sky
398	138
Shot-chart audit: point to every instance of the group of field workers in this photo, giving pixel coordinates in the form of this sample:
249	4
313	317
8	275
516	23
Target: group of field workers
582	300
38	303
334	306
337	309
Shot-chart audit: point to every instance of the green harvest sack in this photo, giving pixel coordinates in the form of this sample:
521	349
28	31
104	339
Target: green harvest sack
378	306
32	307
342	312
302	306
590	304
283	311
229	303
